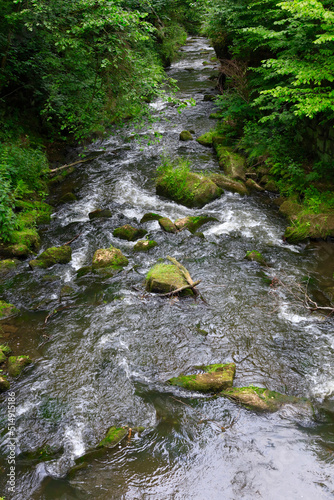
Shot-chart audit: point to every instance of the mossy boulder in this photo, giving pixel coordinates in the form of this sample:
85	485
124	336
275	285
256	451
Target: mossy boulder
215	116
16	364
193	223
83	271
52	256
194	190
26	238
129	233
8	265
114	436
186	136
4	383
18	250
165	278
258	398
215	378
100	214
253	186
167	225
271	186
109	258
7	309
206	139
291	208
229	184
149	217
233	164
255	256
144	245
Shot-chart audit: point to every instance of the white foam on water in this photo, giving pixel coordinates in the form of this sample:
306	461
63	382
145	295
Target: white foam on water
74	440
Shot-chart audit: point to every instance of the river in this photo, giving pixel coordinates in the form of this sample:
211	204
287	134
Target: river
105	358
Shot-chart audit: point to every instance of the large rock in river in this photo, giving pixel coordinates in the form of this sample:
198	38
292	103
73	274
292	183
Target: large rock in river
129	233
261	399
111	258
214	379
187	188
52	256
165	278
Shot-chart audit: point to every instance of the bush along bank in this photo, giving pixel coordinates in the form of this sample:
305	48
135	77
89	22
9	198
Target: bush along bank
276	106
100	66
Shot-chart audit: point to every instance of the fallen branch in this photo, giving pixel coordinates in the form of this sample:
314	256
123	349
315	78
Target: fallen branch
178	290
73	239
69	165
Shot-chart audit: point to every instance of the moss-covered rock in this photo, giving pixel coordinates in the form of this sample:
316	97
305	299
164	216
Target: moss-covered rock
52	256
233	164
7	310
206	139
256	256
68	198
18	250
167	225
114	436
215	378
100	213
66	291
165	278
109	258
26	238
291	208
193	223
4	383
16	364
229	184
253	186
129	233
215	116
271	186
144	245
149	217
7	266
258	398
208	97
186	136
194	190
83	271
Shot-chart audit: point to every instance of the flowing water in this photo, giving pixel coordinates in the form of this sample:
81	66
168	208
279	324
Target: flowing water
104	359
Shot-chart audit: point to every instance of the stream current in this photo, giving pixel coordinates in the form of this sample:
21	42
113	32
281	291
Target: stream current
105	358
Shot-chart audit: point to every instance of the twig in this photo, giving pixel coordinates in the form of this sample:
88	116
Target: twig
178	290
69	165
73	239
55	312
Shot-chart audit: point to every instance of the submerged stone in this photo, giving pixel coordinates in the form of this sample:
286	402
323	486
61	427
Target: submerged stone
186	136
165	278
258	398
16	364
193	223
149	217
114	436
68	198
4	383
129	233
52	256
216	378
167	225
144	245
109	258
255	256
197	190
100	213
7	309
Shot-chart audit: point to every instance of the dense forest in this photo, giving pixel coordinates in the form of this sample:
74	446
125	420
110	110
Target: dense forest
70	70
